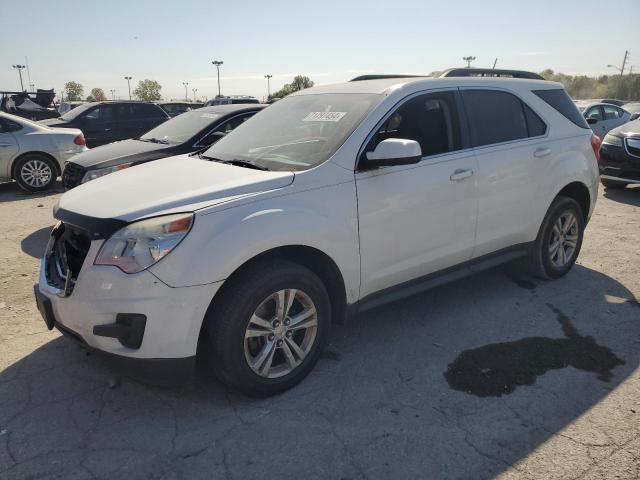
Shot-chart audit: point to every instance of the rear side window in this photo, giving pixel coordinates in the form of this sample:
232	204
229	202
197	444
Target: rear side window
495	116
560	101
535	125
145	110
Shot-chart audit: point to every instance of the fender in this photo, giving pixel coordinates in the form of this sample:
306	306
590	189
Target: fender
324	218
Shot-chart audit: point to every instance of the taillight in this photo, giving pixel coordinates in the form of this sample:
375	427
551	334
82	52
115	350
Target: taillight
79	140
595	144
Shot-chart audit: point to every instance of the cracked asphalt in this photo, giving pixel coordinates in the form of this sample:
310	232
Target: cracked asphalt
379	403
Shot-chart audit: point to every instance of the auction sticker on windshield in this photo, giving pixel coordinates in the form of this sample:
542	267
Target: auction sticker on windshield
324	116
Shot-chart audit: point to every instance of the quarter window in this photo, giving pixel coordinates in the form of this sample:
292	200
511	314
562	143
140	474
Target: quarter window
611	112
431	120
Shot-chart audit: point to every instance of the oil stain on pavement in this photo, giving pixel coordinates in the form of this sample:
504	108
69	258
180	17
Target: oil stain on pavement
499	368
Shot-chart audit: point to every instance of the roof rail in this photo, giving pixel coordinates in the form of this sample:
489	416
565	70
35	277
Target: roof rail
379	77
489	72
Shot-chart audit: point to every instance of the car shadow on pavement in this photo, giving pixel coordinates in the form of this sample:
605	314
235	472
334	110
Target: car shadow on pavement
629	195
377	405
35	243
11	192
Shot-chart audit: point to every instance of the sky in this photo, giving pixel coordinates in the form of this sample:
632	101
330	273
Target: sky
97	44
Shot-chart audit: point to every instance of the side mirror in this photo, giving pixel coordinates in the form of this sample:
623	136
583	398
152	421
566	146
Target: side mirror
592	121
394	151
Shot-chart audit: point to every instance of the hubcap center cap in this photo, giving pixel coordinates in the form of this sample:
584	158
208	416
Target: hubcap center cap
280	331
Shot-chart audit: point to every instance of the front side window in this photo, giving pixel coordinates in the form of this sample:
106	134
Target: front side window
431	120
180	128
296	133
102	113
497	117
593	113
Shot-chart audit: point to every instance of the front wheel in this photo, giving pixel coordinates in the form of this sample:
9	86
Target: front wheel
268	327
35	173
559	240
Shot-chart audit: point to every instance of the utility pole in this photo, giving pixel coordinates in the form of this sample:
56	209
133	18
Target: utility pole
468	60
194	90
26	64
186	96
20	68
113	94
217	63
624	62
128	79
495	63
268	77
32	87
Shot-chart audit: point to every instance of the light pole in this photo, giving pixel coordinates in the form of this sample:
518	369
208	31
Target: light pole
128	79
19	68
268	77
113	94
186	95
217	63
32	86
194	90
468	59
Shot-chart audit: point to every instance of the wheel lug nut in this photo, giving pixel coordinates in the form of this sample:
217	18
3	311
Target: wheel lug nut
289	333
279	343
287	322
271	337
276	324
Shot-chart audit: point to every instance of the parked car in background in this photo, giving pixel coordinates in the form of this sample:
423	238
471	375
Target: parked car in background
68	106
336	199
176	108
634	109
620	156
33	155
106	122
231	100
603	117
186	133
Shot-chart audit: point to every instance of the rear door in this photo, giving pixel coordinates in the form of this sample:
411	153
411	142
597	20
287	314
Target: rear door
595	118
418	219
613	117
510	142
8	146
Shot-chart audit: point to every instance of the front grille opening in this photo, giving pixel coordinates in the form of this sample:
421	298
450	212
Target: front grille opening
64	258
72	175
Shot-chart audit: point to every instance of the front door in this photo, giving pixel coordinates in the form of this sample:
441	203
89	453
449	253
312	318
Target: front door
417	219
8	147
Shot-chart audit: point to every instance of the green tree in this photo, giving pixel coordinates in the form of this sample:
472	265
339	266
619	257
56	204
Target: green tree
148	90
300	82
625	87
97	95
74	90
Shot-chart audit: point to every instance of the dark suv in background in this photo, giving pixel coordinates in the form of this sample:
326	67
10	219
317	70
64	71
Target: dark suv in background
106	122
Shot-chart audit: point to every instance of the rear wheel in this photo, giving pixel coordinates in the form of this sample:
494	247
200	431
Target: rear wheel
35	173
559	240
613	184
268	327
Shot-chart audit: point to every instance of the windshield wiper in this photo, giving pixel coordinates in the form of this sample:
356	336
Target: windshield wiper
155	140
236	162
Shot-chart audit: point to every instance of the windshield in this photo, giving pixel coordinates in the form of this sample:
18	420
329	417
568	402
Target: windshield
74	112
296	133
181	128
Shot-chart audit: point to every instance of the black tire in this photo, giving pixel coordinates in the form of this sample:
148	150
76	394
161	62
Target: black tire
613	183
539	261
30	160
229	316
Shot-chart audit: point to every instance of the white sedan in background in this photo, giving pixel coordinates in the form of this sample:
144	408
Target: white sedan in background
603	117
34	155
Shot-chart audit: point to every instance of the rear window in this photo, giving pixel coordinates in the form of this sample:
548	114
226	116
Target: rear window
560	101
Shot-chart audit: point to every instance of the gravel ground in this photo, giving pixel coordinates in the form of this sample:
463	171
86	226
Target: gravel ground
494	376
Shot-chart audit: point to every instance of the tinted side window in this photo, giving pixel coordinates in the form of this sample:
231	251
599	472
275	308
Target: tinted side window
560	101
611	112
431	120
535	125
494	116
144	110
227	126
593	112
103	113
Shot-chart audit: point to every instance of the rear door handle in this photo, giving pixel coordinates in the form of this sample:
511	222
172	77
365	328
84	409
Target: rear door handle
542	152
460	174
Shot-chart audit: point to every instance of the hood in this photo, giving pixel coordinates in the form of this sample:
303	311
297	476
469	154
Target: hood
174	184
116	153
629	129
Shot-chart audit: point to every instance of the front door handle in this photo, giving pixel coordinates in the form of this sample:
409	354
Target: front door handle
542	152
5	144
460	174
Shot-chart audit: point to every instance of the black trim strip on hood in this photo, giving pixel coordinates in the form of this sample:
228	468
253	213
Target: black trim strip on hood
98	228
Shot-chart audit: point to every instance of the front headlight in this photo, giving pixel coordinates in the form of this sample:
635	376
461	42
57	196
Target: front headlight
101	172
143	243
612	140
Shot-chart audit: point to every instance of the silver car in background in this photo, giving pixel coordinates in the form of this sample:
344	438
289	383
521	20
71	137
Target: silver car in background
603	117
34	155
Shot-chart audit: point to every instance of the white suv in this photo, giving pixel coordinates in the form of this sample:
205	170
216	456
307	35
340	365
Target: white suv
334	200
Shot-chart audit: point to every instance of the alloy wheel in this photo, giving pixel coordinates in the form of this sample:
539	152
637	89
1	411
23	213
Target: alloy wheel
563	240
280	333
36	173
